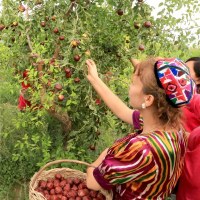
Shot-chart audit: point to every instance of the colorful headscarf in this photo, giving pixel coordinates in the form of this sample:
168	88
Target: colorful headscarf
173	76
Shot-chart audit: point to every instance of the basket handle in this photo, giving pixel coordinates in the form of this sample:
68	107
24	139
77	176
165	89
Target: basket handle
57	162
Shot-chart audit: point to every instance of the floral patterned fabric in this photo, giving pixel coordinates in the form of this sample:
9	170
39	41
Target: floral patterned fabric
143	166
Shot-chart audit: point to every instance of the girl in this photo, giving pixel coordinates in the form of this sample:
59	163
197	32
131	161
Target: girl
147	163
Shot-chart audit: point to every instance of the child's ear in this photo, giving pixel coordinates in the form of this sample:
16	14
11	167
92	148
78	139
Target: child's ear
149	99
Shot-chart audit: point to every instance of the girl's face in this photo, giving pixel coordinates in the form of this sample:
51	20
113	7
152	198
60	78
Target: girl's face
136	94
196	79
190	65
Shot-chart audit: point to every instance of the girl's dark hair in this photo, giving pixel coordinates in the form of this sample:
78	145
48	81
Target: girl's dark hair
196	61
167	114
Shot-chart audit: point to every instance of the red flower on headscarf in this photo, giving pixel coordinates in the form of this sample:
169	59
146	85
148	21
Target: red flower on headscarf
171	88
183	82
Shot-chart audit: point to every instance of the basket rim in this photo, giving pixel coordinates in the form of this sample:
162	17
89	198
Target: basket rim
47	173
36	177
54	170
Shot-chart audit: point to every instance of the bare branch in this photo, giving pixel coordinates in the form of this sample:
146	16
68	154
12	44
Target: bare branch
29	40
87	2
56	52
40	74
62	117
70	8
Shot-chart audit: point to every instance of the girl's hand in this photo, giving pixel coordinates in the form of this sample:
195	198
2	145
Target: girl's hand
92	70
90	180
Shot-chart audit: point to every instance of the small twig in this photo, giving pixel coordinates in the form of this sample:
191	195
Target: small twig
63	117
56	52
77	16
8	105
190	28
26	13
40	74
29	40
70	8
87	2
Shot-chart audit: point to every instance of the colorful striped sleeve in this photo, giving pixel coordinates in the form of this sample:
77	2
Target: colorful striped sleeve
137	120
129	160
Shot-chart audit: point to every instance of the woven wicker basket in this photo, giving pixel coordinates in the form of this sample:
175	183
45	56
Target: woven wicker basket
43	174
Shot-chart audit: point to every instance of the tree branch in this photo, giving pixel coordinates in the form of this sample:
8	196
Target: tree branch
87	2
28	40
63	117
56	52
40	75
70	8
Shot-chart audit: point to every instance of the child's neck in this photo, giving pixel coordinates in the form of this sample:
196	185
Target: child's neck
151	122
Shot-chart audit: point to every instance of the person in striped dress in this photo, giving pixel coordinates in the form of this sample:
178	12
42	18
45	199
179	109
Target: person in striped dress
147	163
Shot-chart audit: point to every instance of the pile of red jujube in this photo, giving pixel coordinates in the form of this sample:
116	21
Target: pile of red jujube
60	188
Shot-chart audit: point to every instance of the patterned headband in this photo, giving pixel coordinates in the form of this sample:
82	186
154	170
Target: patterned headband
173	76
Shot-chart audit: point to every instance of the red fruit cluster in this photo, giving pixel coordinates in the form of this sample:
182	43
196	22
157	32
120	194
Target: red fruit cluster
58	86
53	17
136	25
1	27
68	73
61	97
108	76
77	58
60	188
141	47
75	43
14	24
77	80
98	101
120	12
43	23
21	8
62	37
92	147
147	24
25	73
56	30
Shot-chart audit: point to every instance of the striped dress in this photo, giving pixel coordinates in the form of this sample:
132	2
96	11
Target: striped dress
143	166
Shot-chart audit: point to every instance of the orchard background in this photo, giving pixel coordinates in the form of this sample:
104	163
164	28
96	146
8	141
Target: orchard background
50	40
